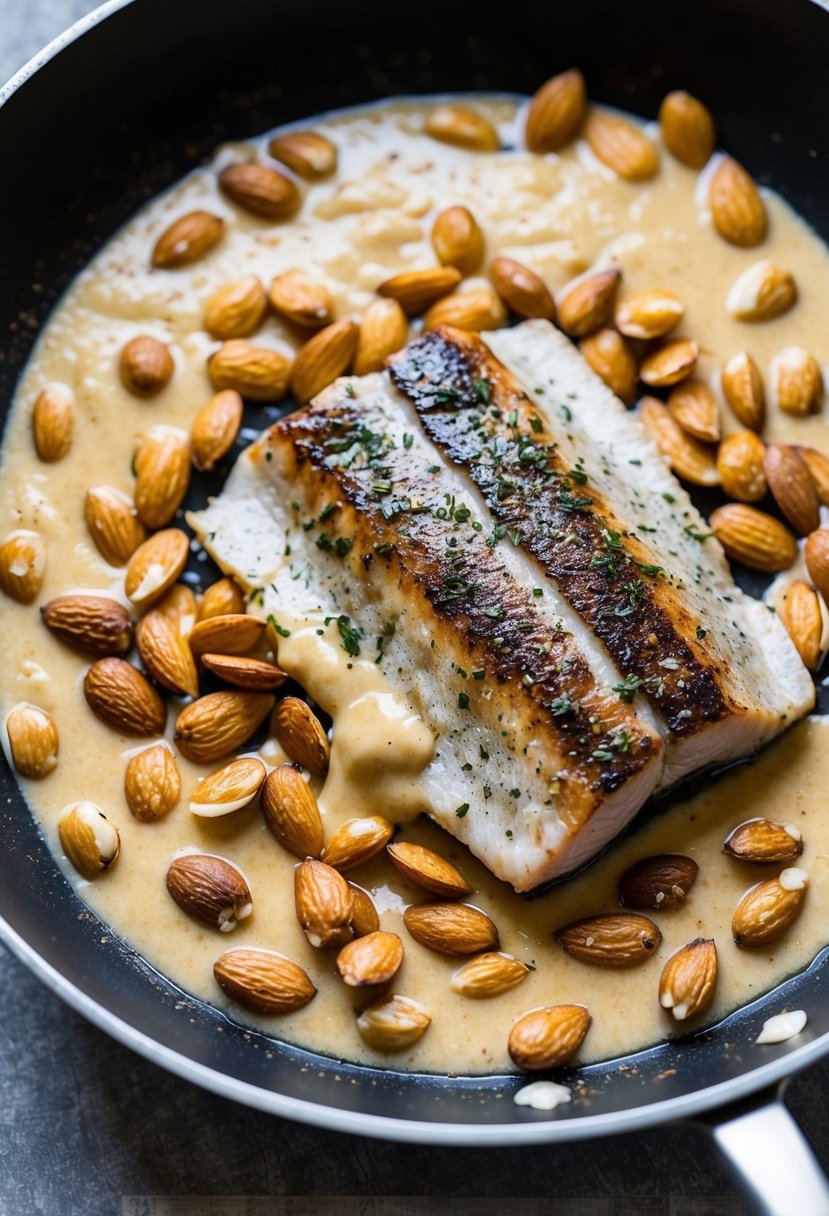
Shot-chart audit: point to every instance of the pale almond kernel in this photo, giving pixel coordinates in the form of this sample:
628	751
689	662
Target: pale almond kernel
256	675
429	870
610	940
613	360
370	960
742	385
687	129
796	382
301	735
236	310
301	299
227	789
769	908
621	145
309	154
671	363
549	1037
694	407
761	293
356	841
791	484
488	976
215	428
53	420
556	112
257	373
231	633
121	696
222	598
152	785
22	565
88	838
587	305
323	358
689	459
291	812
816	552
521	289
463	127
323	904
416	290
383	330
113	524
649	314
451	928
33	740
93	624
393	1023
800	612
477	309
457	240
219	723
737	210
211	889
155	566
146	366
162	465
263	981
754	538
165	654
688	980
764	841
261	190
187	239
740	459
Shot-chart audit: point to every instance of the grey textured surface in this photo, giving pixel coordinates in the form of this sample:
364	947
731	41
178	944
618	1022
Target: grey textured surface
86	1127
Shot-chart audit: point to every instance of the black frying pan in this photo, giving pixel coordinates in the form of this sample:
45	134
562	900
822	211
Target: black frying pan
137	95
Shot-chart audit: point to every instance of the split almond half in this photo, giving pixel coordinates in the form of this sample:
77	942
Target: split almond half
228	789
393	1023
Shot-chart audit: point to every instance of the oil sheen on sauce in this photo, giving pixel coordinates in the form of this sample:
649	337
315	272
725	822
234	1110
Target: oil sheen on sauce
560	215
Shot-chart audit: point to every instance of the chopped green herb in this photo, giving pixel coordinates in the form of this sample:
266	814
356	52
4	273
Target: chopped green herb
627	688
462	809
463	700
283	633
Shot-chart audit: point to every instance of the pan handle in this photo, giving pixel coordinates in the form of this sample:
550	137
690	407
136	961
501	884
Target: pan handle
770	1158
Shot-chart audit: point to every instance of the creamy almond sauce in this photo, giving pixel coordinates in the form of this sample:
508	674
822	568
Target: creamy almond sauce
561	215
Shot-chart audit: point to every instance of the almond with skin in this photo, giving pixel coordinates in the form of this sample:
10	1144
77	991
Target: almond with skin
649	314
737	210
740	465
179	606
53	421
291	812
307	153
152	784
383	330
694	407
742	385
93	624
478	309
763	841
769	908
33	740
301	299
429	870
220	723
233	633
416	290
670	363
818	466
370	960
613	360
162	465
187	239
488	975
211	889
323	358
816	552
236	310
364	918
521	289
689	459
621	145
616	939
796	382
253	674
587	305
166	656
659	883
688	980
301	735
549	1037
451	928
263	981
215	428
457	240
146	366
463	127
88	838
227	789
754	538
156	565
113	524
222	598
323	904
261	190
22	565
119	695
762	292
687	129
257	373
556	112
791	484
356	841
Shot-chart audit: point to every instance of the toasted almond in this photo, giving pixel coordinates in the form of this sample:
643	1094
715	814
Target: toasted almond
621	145
113	524
236	310
764	841
253	674
179	606
457	240
769	908
309	154
321	360
740	459
53	419
222	598
22	565
816	552
754	538
762	292
649	314
215	428
737	211
549	1037
659	883
800	611
165	654
416	290
429	870
119	695
616	939
694	407
301	299
263	981
88	838
791	484
687	129
587	305
162	465
688	979
291	812
152	785
521	289
393	1023
155	566
670	363
187	239
261	190
556	112
227	789
257	373
613	360
301	735
215	725
364	918
742	385
476	310
372	959
93	624
451	928
146	366
489	975
211	889
462	127
689	459
33	740
323	904
383	330
796	382
818	466
356	841
232	633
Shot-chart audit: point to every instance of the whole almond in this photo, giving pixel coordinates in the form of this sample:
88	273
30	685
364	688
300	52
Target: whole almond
621	145
369	960
227	789
165	655
215	428
742	385
162	465
383	330
689	459
88	838
291	812
301	299
587	305
740	460
301	735
261	190
791	484
818	466
476	310
754	538
429	870
670	363
364	918
489	975
93	624
816	552
22	565
613	360
549	1037
416	290
215	725
187	239
393	1023
156	565
556	112
179	606
119	695
253	674
450	928
257	373
659	883
737	211
800	611
222	598
113	524
321	360
232	633
33	740
687	129
616	939
309	154
769	908
694	407
53	420
463	127
356	841
236	310
763	841
146	366
649	314
152	785
762	292
796	382
211	889
323	904
457	240
263	981
688	980
521	289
